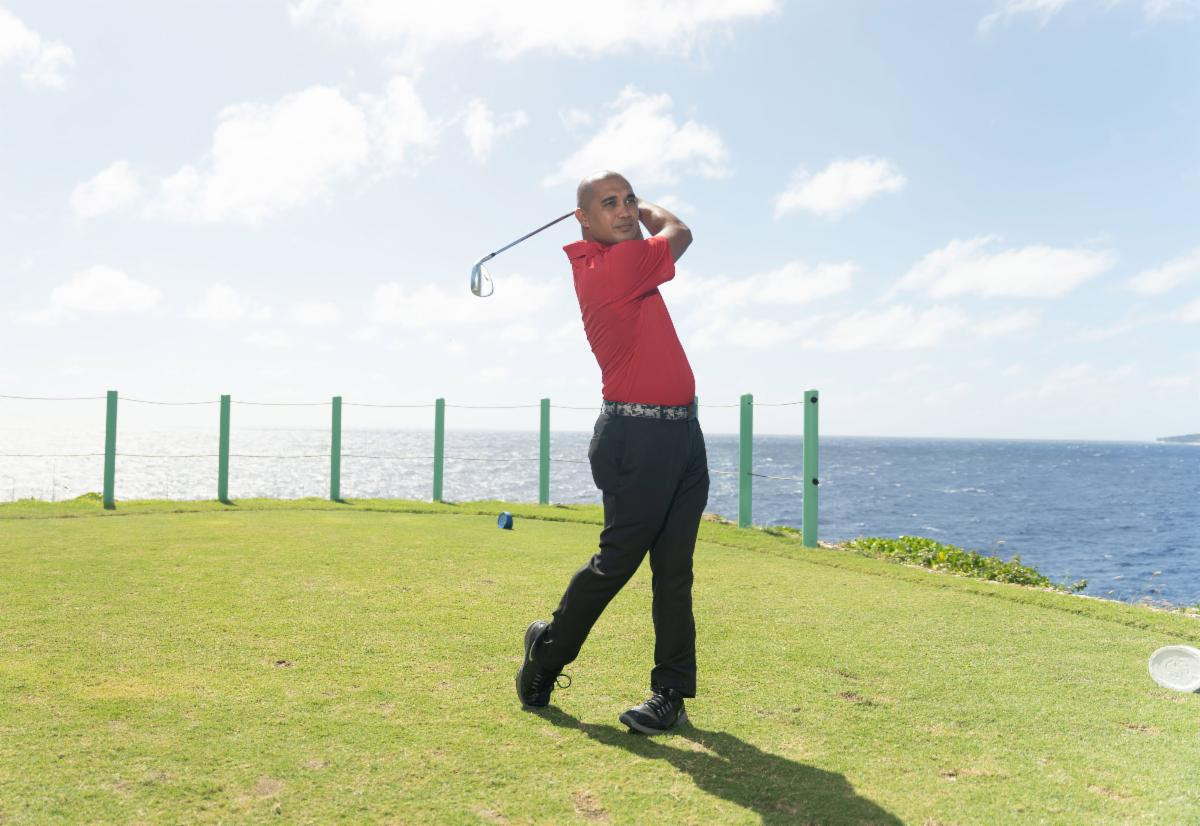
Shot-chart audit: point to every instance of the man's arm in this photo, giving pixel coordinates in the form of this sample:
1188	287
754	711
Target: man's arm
660	222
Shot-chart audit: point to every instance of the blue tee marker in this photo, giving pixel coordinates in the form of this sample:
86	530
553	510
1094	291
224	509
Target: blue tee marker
505	521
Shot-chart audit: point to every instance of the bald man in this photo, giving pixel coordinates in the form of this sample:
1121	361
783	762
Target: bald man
647	452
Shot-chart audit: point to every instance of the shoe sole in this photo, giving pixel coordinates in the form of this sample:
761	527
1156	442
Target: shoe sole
528	661
628	720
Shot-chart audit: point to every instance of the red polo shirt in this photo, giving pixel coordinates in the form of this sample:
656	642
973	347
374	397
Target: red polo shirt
626	320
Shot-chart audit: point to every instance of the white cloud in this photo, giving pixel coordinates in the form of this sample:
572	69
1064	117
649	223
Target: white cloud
268	158
1190	313
641	139
400	130
840	187
1094	334
1005	324
969	267
573	117
1173	382
1013	369
492	375
1156	10
908	373
315	313
269	340
674	204
223	303
520	333
96	290
1078	381
1159	280
113	188
710	305
1153	11
790	284
895	328
1007	10
430	306
42	62
944	395
508	30
482	128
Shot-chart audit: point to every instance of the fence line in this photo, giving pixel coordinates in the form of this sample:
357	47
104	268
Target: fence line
745	473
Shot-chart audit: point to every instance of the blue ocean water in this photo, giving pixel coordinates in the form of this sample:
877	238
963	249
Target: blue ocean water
1123	515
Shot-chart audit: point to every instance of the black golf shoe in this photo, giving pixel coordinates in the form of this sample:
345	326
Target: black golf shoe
535	683
662	712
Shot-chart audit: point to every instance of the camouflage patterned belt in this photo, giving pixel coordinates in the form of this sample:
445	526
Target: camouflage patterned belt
649	411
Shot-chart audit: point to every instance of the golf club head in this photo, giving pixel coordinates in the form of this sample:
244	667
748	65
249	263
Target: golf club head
481	281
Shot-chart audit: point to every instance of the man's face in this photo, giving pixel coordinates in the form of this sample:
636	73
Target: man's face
612	214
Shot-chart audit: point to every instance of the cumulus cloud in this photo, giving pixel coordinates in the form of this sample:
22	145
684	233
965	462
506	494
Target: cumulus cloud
315	313
482	128
1159	280
1189	313
894	328
1006	11
430	306
98	290
1005	324
113	188
42	62
267	158
642	139
508	30
222	302
400	131
840	187
1078	381
974	267
269	340
715	309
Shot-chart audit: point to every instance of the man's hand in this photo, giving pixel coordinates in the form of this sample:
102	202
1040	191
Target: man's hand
660	222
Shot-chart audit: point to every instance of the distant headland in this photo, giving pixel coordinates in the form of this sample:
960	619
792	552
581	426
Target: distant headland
1187	438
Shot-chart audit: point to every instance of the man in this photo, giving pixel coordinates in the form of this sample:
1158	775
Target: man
647	452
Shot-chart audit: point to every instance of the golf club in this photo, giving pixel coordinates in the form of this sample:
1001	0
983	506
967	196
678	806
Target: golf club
479	273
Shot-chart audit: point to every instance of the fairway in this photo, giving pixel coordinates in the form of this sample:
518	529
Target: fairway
315	662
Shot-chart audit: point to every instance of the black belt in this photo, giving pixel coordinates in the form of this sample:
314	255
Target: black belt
649	411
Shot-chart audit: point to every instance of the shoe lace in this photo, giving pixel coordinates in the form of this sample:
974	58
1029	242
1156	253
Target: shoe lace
660	703
541	681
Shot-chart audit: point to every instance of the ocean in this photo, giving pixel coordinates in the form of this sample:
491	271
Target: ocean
1125	516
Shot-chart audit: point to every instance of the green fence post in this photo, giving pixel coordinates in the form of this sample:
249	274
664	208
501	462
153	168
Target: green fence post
746	462
223	454
335	452
810	468
439	446
544	472
110	450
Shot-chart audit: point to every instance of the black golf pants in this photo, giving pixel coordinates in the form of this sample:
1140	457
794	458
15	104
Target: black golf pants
654	477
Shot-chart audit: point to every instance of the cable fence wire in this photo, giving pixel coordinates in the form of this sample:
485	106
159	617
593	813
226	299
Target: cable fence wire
410	405
55	398
168	404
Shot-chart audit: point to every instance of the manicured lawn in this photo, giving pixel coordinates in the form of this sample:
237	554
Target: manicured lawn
312	661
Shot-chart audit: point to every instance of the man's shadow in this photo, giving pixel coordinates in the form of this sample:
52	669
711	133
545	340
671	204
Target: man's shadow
781	791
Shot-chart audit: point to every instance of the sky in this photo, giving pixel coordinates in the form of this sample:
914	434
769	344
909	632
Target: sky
977	219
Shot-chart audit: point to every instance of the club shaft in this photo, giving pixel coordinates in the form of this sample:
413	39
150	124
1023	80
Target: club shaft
529	235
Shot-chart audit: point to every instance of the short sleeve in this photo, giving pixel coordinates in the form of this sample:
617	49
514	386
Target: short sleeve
640	266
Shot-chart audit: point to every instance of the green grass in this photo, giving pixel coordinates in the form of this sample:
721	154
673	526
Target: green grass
313	661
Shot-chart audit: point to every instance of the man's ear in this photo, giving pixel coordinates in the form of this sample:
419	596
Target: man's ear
581	216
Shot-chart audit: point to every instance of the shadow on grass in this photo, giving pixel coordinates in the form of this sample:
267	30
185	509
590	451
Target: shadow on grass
779	790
